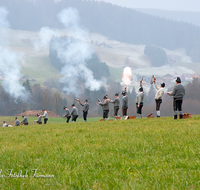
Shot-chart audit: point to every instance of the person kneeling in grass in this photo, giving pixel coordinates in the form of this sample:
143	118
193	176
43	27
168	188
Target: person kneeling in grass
24	121
17	122
39	120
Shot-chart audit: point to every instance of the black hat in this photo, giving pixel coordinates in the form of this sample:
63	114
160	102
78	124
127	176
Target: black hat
38	114
141	89
22	116
105	97
162	84
16	118
64	107
116	94
178	80
43	109
4	121
124	93
73	105
86	100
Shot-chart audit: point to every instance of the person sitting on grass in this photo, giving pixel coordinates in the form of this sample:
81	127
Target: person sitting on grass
39	120
17	122
5	124
24	121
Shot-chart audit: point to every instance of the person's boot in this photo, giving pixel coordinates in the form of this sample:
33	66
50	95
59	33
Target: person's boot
181	116
175	116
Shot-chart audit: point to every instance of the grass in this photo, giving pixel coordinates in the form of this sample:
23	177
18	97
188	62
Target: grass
132	154
10	120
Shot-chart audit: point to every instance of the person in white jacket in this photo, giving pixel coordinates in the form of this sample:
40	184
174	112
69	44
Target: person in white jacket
158	96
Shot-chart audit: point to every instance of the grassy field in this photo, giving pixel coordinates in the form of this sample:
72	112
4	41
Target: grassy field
132	154
10	120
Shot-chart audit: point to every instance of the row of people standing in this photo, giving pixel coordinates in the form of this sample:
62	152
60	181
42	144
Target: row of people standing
116	103
177	93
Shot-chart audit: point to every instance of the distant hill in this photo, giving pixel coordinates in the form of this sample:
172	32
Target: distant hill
122	24
181	16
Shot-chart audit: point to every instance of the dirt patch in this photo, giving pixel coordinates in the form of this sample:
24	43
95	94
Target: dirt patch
35	112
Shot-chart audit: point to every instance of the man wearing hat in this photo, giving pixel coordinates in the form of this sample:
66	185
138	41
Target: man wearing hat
67	114
74	113
24	121
139	102
85	109
158	96
178	93
124	104
17	122
116	103
45	116
105	106
5	124
39	120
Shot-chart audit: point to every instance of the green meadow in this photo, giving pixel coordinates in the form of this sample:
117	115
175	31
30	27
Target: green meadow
157	153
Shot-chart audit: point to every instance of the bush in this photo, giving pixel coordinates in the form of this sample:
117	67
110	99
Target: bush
157	55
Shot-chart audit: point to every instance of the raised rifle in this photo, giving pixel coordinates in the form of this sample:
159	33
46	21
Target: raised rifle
125	88
153	79
141	81
78	100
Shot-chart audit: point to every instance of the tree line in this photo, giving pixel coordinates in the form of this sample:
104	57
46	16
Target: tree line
54	100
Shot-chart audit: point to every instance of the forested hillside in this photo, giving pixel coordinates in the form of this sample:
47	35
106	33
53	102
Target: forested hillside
122	24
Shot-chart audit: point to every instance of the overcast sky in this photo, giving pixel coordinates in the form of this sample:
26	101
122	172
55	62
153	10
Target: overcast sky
178	5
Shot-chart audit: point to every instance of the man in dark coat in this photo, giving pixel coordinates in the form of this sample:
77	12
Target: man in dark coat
105	106
124	104
39	120
74	113
17	122
178	93
67	114
85	109
24	121
116	103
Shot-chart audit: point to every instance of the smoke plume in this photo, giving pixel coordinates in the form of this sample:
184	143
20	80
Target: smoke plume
73	52
10	61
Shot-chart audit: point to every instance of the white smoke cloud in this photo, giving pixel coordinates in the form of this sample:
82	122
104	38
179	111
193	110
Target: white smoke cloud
73	52
10	61
45	36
